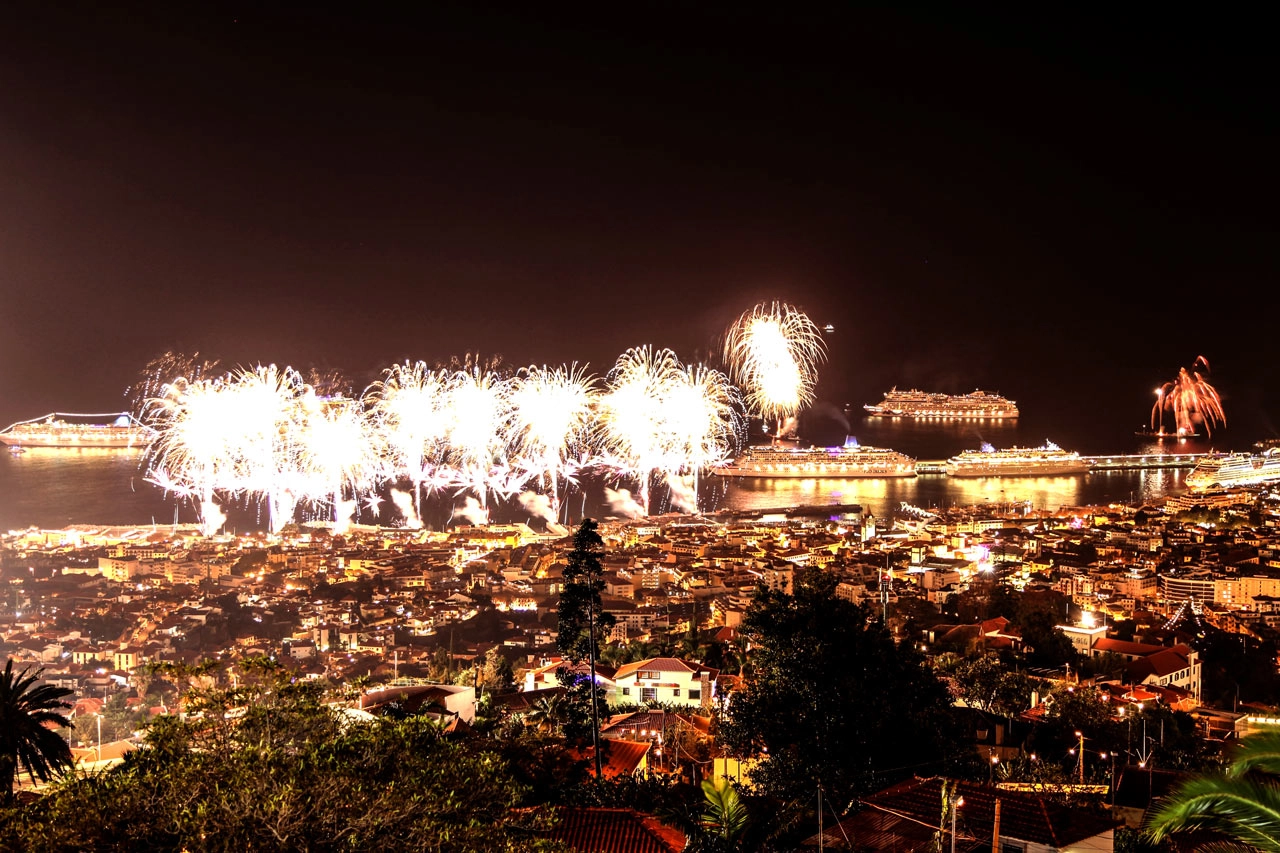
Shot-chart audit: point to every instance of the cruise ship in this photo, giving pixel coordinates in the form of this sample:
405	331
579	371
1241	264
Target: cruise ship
1047	461
1224	470
928	404
53	430
836	463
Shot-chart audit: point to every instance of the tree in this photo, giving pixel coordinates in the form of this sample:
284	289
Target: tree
986	683
26	741
1242	803
830	699
545	713
724	816
582	627
1045	645
287	773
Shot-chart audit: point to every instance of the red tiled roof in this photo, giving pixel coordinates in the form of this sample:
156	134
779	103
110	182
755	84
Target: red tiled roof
1122	647
593	830
656	664
619	757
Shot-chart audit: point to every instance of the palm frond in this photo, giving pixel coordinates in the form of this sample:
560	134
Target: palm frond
1256	753
1243	809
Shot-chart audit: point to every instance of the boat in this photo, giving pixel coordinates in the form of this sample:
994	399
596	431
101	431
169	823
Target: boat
1224	470
975	405
53	430
1163	434
1049	460
850	461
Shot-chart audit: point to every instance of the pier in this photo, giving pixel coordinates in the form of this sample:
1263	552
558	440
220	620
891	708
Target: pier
1113	462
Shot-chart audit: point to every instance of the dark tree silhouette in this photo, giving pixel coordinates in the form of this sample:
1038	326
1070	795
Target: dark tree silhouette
831	700
26	742
581	628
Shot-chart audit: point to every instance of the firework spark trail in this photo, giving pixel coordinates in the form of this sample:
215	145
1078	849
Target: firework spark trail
265	434
773	351
195	446
479	406
410	408
266	405
631	415
551	426
701	420
1191	399
339	454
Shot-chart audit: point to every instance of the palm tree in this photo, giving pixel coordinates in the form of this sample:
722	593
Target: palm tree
724	815
26	742
546	712
1242	803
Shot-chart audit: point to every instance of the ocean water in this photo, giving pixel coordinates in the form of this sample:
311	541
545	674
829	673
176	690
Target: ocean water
54	488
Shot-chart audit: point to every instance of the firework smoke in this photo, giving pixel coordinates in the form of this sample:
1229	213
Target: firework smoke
211	518
471	510
405	503
622	504
684	493
539	506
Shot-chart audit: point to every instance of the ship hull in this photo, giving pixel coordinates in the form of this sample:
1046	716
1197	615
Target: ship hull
71	443
1250	471
932	405
809	474
881	412
1062	470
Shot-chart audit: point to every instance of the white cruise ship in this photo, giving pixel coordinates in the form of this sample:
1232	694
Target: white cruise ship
835	463
54	431
1223	470
928	404
1049	460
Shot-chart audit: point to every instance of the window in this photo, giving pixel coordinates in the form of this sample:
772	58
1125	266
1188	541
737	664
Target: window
675	691
695	694
649	694
626	691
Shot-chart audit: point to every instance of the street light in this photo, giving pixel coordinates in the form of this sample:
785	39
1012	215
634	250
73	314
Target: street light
957	804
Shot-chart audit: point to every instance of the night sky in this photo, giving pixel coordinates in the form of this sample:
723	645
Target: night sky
1064	210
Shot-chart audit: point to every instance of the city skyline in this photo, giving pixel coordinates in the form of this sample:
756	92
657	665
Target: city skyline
1052	210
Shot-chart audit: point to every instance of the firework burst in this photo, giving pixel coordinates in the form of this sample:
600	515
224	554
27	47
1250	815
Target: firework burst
773	352
1191	400
551	428
410	409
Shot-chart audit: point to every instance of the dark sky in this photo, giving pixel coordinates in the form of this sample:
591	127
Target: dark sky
1064	209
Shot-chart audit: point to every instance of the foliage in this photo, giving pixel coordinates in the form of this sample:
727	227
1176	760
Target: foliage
268	767
492	674
581	630
1044	644
546	713
1235	666
26	741
986	683
725	816
1242	803
831	699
